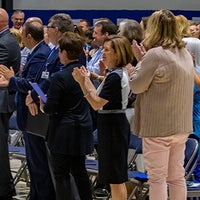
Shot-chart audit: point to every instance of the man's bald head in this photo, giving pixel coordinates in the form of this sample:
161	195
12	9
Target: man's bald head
34	19
4	19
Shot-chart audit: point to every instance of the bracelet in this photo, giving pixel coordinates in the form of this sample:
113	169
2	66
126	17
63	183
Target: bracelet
88	93
98	78
87	77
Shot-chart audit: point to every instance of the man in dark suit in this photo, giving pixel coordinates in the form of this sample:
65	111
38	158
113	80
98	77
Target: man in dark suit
57	25
9	56
41	187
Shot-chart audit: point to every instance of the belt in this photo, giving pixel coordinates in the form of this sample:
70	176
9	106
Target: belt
111	111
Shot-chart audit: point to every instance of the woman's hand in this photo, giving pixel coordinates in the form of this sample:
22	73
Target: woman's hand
79	74
84	71
138	50
102	68
130	68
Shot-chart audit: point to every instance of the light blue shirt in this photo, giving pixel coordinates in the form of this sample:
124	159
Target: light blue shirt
24	54
93	64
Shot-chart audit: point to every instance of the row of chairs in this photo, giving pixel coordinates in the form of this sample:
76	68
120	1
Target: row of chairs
191	158
139	179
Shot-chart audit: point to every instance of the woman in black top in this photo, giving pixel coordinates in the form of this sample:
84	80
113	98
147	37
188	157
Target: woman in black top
110	99
70	129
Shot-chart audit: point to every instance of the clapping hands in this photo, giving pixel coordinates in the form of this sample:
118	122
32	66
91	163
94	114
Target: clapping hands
6	72
3	81
102	68
79	74
138	50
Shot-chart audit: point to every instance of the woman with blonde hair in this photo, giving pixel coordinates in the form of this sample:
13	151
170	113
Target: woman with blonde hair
192	43
18	36
183	25
163	81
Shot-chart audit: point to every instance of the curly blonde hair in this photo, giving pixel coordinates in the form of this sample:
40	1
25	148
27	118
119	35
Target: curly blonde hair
183	25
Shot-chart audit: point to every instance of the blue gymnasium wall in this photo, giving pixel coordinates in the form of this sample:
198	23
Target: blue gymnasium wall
94	14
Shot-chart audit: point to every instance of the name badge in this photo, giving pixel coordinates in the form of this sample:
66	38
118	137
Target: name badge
45	75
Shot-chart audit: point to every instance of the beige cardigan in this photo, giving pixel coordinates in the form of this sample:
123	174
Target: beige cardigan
164	82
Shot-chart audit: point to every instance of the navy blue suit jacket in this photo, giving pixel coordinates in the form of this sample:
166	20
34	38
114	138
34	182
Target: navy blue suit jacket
51	65
9	56
22	86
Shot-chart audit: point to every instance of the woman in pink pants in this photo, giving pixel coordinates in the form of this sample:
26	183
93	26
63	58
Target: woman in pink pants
163	80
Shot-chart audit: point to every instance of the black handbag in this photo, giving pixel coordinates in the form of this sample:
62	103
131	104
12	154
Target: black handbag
38	125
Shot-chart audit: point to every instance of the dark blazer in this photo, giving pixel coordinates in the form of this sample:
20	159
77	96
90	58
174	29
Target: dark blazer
70	127
9	56
51	65
22	86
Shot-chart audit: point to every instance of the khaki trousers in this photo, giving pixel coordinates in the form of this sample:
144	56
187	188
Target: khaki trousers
164	160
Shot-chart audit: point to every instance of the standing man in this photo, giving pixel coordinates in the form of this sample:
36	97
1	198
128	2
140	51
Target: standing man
10	56
18	19
41	187
57	25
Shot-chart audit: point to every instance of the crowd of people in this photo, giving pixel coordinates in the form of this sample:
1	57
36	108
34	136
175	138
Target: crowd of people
88	74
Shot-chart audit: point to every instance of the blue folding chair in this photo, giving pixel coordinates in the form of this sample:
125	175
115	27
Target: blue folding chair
15	135
191	158
137	178
92	169
16	150
140	179
18	153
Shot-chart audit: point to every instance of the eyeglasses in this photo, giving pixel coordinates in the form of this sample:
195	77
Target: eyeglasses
50	26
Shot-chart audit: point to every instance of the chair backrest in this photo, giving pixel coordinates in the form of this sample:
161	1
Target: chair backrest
15	135
135	148
13	122
191	156
135	143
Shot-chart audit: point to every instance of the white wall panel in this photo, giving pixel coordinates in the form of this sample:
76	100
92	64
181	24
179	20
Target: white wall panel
106	4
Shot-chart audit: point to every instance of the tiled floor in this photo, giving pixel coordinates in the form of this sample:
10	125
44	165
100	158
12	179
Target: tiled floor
22	188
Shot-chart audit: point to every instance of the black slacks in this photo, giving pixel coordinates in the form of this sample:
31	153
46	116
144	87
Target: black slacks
5	174
63	165
41	187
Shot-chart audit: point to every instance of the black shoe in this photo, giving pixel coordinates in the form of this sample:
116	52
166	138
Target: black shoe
100	193
12	187
6	197
13	191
